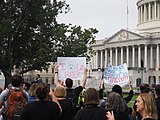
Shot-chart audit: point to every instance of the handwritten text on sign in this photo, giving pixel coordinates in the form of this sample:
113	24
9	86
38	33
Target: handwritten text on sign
71	67
116	75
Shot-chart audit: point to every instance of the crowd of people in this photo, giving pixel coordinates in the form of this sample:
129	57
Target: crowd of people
37	101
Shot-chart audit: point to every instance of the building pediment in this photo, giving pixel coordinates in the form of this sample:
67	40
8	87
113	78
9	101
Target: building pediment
123	35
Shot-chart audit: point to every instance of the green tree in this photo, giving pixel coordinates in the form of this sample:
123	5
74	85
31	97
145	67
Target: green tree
30	35
73	41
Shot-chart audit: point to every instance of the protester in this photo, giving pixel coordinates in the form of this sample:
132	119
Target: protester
144	88
71	93
146	106
118	89
157	98
101	99
32	94
81	99
67	111
91	110
26	87
38	79
42	109
12	96
116	104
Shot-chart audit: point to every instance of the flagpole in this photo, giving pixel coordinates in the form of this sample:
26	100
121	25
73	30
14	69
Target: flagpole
127	14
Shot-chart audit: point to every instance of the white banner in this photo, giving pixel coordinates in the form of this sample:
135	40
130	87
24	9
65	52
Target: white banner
116	75
71	67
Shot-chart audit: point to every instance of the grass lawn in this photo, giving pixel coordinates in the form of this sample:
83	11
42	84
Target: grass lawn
130	104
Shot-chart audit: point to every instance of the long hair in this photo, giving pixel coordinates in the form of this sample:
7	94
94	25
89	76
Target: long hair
42	91
115	102
149	105
32	89
91	97
60	92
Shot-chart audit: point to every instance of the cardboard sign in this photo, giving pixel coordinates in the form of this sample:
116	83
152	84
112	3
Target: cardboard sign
116	75
71	67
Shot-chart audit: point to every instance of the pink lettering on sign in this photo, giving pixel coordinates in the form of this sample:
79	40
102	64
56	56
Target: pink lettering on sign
62	66
72	74
82	67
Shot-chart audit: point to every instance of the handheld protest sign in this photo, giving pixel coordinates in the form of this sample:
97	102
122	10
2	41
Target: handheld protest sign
71	67
116	75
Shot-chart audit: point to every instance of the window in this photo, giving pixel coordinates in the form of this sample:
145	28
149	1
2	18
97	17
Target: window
138	82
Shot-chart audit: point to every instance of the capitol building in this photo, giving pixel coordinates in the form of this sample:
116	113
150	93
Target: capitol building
140	49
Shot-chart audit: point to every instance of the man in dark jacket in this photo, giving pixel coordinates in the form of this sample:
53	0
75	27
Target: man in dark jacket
118	89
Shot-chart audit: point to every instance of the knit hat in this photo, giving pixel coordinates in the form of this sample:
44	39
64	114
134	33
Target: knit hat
117	89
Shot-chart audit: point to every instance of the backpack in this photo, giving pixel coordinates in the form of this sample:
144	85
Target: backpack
15	104
71	97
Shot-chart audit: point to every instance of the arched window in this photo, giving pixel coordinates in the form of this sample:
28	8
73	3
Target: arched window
138	82
152	80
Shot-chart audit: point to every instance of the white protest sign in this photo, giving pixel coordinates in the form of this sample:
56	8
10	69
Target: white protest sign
116	75
71	67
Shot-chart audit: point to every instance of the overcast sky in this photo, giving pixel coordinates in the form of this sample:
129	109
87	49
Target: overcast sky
107	16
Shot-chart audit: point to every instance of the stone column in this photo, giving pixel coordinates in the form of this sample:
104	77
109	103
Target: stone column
157	58
145	13
139	56
149	11
96	61
158	11
155	10
92	62
106	58
116	56
139	15
110	55
145	56
101	58
151	58
128	56
133	56
121	55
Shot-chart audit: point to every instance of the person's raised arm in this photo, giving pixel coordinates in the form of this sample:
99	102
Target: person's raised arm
130	85
54	99
83	82
130	94
56	82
